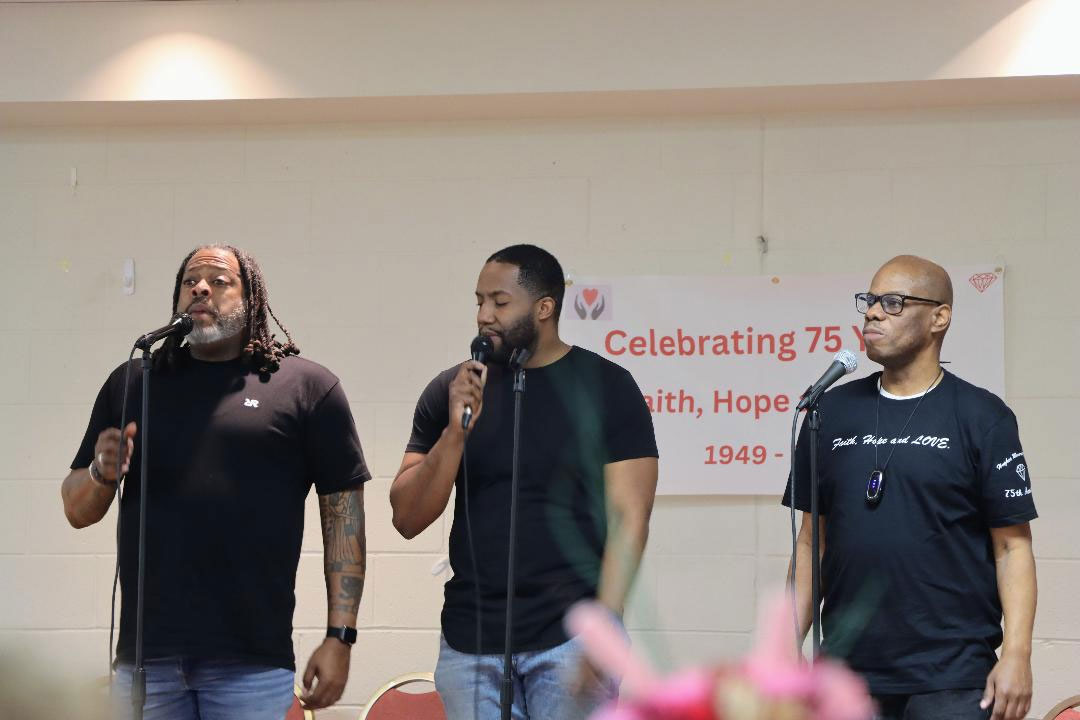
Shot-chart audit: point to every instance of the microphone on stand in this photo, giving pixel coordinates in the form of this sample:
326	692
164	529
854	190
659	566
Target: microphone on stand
519	357
480	349
844	362
181	325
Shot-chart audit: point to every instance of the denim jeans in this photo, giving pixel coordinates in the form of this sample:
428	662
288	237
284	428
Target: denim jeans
191	689
940	705
470	685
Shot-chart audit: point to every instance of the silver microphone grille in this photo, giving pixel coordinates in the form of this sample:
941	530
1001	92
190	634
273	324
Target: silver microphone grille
848	360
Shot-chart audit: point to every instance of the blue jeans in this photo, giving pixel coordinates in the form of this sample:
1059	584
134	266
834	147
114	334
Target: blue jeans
940	705
470	685
190	689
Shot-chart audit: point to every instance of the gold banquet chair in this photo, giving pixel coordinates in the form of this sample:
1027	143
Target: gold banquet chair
391	703
1065	710
296	710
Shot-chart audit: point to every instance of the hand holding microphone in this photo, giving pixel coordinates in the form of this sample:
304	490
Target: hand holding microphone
468	387
112	453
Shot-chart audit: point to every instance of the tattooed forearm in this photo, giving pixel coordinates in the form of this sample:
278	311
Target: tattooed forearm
345	553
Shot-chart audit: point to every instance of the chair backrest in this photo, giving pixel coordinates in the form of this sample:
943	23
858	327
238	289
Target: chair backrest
296	710
391	703
1065	710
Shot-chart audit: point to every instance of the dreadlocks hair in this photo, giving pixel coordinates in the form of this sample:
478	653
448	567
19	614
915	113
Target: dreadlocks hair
261	351
538	272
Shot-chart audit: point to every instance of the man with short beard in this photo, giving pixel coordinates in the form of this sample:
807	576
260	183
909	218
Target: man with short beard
925	501
241	429
588	472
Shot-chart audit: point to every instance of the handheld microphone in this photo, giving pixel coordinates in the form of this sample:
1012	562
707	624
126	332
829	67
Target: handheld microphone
181	325
480	349
844	362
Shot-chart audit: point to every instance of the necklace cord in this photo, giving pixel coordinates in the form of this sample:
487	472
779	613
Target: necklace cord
877	419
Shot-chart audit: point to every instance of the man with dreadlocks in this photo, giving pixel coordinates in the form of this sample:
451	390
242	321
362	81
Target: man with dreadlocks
242	428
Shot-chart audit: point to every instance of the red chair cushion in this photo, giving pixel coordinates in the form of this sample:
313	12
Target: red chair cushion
397	705
296	710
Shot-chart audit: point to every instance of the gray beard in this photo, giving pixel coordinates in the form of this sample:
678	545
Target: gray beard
224	327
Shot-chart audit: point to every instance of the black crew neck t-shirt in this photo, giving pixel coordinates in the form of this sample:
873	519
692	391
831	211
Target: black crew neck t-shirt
578	414
232	458
910	595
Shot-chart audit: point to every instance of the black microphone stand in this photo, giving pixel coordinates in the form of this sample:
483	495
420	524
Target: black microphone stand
138	681
813	419
517	366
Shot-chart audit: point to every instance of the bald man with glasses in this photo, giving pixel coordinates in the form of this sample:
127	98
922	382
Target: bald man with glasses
925	501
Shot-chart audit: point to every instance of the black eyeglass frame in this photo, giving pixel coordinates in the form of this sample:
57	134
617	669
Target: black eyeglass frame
866	296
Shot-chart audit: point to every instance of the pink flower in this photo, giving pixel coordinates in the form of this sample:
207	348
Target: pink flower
773	679
839	693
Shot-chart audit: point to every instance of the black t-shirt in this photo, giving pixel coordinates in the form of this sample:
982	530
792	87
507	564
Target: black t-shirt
910	596
232	457
578	414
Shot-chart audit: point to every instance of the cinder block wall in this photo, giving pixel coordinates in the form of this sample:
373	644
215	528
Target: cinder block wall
371	237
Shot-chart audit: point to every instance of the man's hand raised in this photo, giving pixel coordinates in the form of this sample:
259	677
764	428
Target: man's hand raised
108	448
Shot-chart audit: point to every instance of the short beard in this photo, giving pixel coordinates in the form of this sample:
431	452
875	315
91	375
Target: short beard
224	327
522	334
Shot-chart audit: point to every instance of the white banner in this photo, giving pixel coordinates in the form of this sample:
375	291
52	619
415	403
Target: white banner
722	361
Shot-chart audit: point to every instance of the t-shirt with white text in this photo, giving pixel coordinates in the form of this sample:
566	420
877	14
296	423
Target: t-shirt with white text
910	596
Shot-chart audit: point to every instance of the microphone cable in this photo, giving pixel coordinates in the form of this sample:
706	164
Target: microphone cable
119	499
475	570
794	536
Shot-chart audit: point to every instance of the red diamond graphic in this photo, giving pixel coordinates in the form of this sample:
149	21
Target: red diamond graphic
981	281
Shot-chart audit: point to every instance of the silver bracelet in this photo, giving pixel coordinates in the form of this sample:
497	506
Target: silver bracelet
96	476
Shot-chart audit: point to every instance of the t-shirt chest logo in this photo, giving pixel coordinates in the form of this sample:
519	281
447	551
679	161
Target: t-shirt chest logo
1022	472
933	441
249	402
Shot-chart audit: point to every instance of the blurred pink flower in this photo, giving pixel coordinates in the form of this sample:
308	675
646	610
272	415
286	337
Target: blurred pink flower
772	680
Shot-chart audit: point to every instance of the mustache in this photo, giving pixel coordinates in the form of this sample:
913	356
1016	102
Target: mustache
202	306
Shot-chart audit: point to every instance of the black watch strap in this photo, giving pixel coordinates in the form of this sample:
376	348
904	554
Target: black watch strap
344	633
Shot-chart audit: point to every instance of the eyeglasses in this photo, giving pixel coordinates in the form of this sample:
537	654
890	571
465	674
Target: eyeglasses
891	303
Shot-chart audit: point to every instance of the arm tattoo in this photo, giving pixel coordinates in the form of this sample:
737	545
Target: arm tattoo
344	552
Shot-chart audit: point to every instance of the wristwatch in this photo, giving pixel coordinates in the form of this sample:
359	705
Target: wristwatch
344	633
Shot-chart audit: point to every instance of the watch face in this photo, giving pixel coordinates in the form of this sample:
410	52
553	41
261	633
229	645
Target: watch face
344	634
